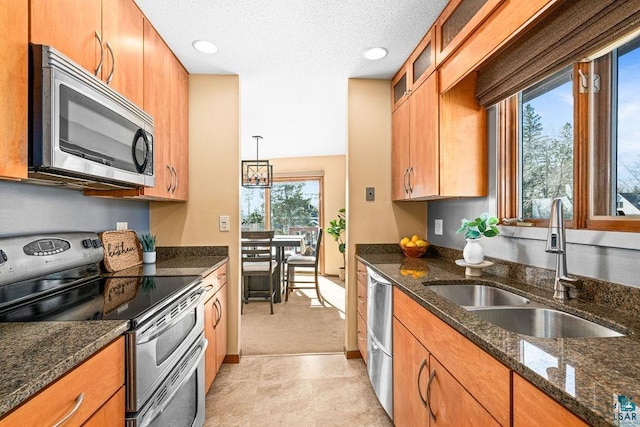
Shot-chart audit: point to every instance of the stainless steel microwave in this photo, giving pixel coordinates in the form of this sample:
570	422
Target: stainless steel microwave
82	132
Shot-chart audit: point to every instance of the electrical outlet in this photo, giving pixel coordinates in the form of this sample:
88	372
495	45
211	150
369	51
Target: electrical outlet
122	225
224	223
370	195
438	227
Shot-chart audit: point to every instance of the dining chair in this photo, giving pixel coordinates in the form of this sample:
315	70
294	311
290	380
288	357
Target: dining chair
301	261
257	261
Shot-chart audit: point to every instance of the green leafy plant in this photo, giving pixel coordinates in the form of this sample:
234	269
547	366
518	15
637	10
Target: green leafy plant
484	225
337	228
148	242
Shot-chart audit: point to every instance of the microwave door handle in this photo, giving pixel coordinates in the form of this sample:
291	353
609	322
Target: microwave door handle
152	414
140	134
84	155
156	332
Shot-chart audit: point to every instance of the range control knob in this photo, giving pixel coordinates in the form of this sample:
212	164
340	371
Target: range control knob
86	243
96	243
3	257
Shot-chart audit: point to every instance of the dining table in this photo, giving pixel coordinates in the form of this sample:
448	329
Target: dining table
280	243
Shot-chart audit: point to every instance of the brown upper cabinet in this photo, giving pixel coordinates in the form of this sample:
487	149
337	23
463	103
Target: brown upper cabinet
457	21
13	86
166	99
415	70
103	36
415	145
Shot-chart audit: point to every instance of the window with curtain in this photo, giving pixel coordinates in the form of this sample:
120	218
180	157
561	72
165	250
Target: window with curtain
576	134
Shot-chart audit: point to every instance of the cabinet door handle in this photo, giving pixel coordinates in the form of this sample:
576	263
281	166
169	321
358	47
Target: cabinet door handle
218	307
99	67
208	287
175	174
360	336
222	277
432	375
404	181
410	174
422	366
170	179
361	300
75	408
113	63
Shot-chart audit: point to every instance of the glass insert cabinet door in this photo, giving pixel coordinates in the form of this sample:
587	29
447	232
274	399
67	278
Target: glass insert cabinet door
457	22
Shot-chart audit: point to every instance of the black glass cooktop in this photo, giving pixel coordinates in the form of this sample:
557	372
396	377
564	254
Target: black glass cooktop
115	298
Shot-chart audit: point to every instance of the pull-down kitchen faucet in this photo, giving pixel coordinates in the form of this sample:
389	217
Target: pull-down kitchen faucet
556	244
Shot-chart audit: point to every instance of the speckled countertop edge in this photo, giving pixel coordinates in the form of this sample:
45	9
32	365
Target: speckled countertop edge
607	363
34	355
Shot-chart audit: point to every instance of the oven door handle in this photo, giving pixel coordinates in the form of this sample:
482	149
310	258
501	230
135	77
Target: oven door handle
153	333
151	415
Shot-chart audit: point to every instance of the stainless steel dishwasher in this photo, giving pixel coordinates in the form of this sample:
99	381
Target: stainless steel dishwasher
380	338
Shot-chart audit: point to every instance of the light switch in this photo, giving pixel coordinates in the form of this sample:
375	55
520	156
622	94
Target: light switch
224	223
438	227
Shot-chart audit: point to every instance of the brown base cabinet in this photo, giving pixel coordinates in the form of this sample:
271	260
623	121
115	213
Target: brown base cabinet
361	273
442	378
456	366
531	407
215	322
97	382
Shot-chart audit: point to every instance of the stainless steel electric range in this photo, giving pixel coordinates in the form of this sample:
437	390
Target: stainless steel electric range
54	277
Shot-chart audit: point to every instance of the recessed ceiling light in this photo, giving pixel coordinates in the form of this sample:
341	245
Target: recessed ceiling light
204	46
375	53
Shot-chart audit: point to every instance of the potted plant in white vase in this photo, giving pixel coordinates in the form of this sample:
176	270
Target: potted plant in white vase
483	226
336	230
148	245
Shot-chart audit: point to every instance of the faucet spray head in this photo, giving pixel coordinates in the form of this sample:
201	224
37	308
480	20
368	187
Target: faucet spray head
555	237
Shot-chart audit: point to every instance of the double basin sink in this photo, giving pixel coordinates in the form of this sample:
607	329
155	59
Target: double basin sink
518	314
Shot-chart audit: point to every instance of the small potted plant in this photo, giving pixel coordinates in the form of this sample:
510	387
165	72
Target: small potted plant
148	245
483	226
336	230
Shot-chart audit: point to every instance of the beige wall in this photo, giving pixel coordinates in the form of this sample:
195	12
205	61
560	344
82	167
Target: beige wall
214	179
369	165
333	193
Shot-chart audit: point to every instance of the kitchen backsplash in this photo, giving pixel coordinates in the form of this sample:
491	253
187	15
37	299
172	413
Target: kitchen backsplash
28	208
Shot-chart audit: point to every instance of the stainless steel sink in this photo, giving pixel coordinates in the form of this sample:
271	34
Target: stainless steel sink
542	322
478	295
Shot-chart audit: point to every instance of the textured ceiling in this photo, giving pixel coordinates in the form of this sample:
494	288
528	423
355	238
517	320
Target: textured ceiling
293	58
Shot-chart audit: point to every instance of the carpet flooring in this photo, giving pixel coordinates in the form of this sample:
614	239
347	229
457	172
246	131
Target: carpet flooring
299	326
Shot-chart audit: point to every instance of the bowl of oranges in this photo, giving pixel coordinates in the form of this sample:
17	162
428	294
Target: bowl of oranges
414	246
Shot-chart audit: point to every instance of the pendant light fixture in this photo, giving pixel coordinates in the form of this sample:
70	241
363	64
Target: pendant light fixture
256	173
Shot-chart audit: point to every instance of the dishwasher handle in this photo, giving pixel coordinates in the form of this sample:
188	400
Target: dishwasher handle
375	277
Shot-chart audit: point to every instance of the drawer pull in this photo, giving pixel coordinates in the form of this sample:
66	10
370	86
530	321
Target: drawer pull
432	375
361	300
208	287
422	366
75	408
360	336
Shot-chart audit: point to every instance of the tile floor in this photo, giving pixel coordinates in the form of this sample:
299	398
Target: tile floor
296	390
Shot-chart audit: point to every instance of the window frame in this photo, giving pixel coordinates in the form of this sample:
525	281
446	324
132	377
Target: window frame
583	162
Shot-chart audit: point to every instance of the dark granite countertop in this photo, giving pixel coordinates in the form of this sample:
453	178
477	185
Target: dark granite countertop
34	355
582	374
179	261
